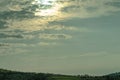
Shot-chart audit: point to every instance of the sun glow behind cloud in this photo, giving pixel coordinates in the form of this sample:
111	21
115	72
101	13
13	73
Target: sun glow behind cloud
46	7
46	12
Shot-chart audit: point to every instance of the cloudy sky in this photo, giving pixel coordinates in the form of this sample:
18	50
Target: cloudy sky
60	36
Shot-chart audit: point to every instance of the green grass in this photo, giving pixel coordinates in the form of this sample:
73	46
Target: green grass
64	78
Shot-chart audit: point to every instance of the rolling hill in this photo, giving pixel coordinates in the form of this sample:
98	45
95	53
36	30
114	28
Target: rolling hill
15	75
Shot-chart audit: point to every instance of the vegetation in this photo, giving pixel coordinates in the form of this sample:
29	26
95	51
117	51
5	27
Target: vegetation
14	75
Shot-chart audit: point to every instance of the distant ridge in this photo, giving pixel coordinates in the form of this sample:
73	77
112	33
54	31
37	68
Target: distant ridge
5	70
15	75
115	74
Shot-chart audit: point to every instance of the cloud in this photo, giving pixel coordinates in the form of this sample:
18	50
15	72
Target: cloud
12	48
10	51
115	3
18	15
3	44
18	19
47	43
3	24
29	25
14	5
54	36
90	8
3	35
36	24
15	9
59	27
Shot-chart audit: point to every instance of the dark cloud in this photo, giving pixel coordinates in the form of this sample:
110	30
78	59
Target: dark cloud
16	9
15	15
115	4
3	24
69	8
6	5
3	35
3	44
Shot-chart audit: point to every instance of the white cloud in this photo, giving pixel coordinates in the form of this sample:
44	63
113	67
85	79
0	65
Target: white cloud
47	43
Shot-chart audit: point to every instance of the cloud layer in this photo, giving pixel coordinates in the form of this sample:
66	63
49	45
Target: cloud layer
30	22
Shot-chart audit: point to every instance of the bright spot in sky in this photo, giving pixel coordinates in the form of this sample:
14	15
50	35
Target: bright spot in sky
44	2
47	2
46	7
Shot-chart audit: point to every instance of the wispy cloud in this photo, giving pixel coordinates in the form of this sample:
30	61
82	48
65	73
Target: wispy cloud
10	51
12	48
54	36
47	43
73	56
90	8
3	44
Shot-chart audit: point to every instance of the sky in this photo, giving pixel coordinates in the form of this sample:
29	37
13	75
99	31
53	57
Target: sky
60	36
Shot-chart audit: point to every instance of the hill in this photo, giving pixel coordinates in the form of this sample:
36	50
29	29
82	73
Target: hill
15	75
